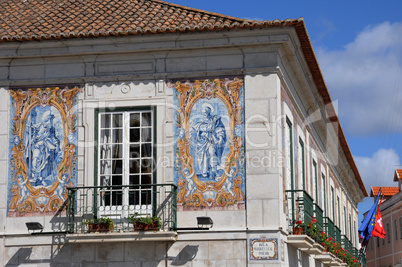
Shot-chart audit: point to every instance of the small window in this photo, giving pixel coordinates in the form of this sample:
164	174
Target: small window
378	242
400	227
388	234
396	230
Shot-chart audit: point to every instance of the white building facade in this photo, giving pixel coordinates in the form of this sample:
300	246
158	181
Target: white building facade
231	121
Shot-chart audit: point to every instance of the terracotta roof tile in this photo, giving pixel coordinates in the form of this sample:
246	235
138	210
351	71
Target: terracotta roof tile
47	19
387	191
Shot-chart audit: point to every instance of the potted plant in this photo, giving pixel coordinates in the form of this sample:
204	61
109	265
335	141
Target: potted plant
147	223
312	229
99	225
298	229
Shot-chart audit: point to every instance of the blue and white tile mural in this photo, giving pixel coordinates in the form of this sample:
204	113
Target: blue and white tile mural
42	150
209	144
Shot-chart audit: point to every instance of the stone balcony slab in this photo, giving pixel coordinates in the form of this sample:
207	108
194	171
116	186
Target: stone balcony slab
159	236
300	241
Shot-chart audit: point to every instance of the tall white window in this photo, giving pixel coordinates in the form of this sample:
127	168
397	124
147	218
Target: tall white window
301	160
323	199
289	154
315	182
125	160
333	203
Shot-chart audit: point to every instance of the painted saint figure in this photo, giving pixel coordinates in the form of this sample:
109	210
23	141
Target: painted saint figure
211	139
43	152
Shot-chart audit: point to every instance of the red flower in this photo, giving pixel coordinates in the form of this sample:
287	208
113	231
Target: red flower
299	222
344	254
313	220
330	239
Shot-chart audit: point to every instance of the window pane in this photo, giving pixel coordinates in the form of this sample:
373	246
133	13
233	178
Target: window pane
117	152
146	150
134	151
117	120
134	197
146	179
134	166
105	180
134	179
105	152
134	135
105	167
117	180
146	134
117	198
104	137
105	121
134	120
117	166
117	136
146	197
146	166
146	119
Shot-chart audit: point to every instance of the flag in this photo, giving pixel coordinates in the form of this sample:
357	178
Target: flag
366	229
378	229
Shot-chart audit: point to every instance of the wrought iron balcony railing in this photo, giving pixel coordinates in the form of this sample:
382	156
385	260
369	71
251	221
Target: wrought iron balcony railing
300	207
346	244
319	216
338	234
329	227
119	203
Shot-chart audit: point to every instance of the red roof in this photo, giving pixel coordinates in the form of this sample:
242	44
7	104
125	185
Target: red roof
54	19
398	175
29	20
387	191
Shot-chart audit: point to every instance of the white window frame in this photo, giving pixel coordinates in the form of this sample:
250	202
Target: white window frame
134	150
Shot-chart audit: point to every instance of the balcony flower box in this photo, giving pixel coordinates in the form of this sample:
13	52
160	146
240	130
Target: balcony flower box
145	223
99	225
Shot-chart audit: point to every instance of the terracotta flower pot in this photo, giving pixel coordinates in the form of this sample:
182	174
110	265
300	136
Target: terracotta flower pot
98	227
298	231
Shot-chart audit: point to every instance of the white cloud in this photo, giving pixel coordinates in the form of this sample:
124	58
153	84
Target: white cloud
378	170
366	78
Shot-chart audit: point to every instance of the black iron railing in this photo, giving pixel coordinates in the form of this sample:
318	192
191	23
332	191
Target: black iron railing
119	203
301	208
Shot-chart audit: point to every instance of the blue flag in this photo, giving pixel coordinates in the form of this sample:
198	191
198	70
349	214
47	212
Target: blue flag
369	222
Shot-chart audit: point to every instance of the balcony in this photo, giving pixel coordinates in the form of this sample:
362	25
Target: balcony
119	204
321	237
346	244
329	227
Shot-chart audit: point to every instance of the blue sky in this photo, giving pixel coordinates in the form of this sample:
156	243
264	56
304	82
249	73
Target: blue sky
359	48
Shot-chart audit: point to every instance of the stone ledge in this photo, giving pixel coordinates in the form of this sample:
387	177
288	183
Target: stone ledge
300	241
315	250
122	237
326	258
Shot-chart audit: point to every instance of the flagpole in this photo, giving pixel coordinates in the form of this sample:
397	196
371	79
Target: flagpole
365	230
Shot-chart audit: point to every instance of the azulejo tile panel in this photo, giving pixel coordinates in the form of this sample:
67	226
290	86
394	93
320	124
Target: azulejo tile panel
209	146
42	149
